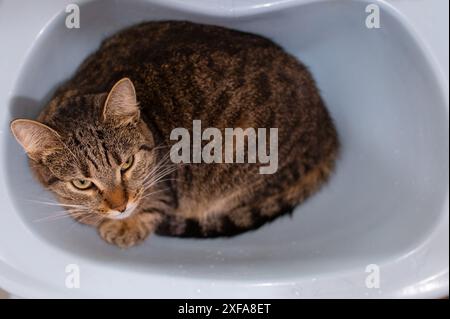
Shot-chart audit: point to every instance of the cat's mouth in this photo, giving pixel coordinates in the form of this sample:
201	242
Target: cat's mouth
130	209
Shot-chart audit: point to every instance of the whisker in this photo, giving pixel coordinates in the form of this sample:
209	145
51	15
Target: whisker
83	218
161	170
158	181
158	167
146	187
58	217
55	204
153	193
65	212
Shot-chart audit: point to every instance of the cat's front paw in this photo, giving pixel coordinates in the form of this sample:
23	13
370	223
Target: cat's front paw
124	233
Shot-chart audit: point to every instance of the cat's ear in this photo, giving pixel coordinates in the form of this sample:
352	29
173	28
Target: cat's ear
36	138
121	105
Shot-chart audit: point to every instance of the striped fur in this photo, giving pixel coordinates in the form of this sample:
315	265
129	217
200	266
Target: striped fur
182	72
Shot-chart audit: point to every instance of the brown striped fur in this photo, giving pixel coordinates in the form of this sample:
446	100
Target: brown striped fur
181	72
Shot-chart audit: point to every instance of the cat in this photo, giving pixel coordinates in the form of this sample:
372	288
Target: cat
102	143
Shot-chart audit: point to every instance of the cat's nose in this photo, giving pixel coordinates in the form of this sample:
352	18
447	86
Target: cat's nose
117	199
120	208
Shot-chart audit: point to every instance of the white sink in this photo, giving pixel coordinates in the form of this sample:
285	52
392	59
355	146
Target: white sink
387	203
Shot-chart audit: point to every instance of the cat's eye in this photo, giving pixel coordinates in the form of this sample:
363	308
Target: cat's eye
127	164
81	184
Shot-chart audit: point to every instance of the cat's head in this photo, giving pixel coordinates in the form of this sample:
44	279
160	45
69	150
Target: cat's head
94	152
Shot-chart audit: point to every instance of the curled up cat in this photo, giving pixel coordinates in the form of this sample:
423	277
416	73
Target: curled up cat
102	144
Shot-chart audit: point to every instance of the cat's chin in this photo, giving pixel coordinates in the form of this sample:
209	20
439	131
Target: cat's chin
131	208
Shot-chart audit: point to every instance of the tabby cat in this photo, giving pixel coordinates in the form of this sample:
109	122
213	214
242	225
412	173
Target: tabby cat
101	144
